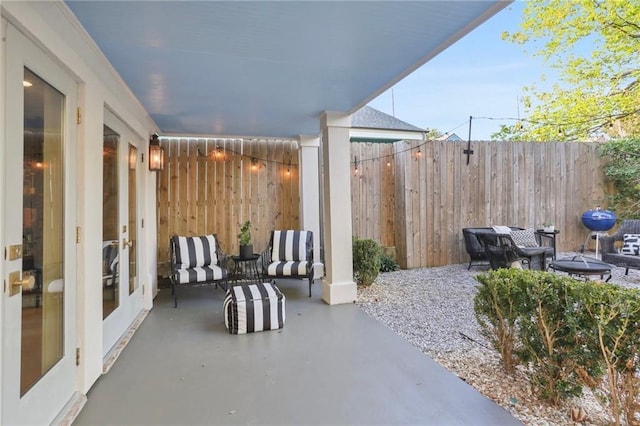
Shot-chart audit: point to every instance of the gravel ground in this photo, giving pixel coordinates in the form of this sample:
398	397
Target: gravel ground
433	309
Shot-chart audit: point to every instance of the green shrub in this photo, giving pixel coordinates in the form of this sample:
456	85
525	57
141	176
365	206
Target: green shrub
550	336
497	307
387	264
611	316
366	260
569	333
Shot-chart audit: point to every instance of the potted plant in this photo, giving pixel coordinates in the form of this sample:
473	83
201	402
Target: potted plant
244	237
548	227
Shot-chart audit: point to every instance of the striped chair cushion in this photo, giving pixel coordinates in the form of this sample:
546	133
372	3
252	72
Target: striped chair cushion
631	244
289	268
110	258
200	274
192	252
290	245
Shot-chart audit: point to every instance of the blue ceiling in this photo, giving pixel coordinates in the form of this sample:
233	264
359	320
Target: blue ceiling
268	68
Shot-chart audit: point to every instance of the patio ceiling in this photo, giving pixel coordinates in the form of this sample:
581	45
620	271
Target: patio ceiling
248	68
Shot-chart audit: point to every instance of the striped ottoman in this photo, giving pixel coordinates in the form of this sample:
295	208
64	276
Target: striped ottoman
253	307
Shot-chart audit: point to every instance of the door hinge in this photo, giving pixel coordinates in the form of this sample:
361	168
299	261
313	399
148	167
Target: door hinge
78	116
142	224
77	234
143	290
4	286
77	356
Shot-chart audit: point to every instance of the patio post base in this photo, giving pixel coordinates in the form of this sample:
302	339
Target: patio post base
339	293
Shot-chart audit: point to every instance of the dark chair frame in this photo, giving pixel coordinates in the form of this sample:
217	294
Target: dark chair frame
266	259
502	251
477	253
610	253
222	263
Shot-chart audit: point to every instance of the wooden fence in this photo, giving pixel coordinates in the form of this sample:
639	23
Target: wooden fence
410	195
420	200
214	185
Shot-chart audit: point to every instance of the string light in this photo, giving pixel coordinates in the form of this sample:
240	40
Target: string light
220	152
589	119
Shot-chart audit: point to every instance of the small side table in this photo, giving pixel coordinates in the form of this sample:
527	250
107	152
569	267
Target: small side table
246	268
551	236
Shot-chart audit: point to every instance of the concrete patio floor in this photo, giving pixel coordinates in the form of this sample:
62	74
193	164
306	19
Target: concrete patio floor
330	365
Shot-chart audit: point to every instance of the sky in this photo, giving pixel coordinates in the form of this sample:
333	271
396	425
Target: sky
480	75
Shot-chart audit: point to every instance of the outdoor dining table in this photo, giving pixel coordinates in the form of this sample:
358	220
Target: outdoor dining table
582	266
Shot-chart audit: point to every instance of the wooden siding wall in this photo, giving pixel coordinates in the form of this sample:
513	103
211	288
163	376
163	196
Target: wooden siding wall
423	200
240	180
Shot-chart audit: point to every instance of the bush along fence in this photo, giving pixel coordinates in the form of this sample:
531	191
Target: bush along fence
567	333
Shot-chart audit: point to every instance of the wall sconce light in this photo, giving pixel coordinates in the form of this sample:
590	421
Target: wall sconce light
156	154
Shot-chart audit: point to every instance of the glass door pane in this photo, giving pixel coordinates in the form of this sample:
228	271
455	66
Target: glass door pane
110	205
133	219
42	230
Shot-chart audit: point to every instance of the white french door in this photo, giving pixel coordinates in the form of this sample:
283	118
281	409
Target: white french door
122	296
39	302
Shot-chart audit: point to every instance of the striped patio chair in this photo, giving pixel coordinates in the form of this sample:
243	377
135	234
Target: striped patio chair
110	261
289	255
197	260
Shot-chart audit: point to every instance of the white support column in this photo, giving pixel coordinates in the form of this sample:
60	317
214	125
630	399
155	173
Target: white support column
338	285
309	178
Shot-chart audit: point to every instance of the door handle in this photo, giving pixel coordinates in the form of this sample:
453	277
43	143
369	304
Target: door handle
126	243
17	281
24	282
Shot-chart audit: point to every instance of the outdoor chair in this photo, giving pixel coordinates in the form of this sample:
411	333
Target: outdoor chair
289	255
629	255
197	260
110	260
475	250
502	252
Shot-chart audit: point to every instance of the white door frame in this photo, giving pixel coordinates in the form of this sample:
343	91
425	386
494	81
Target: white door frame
41	403
130	305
